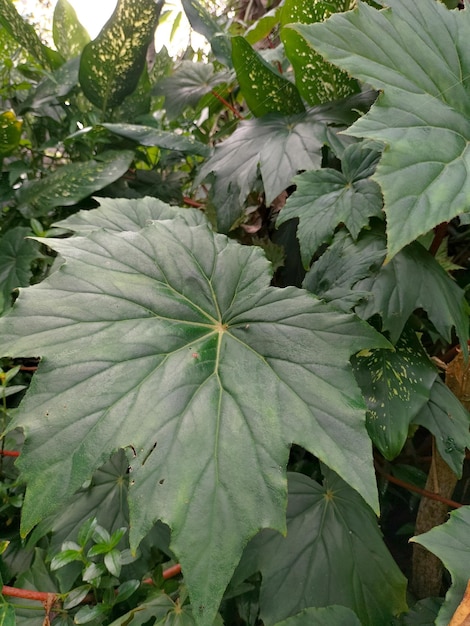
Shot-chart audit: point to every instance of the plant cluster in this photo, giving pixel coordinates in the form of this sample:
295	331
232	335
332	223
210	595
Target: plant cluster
234	317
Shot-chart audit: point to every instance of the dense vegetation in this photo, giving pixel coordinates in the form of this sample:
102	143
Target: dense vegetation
234	377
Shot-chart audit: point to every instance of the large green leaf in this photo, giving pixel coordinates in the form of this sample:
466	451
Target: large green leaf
333	554
26	36
16	255
317	80
170	342
417	53
450	542
326	197
396	385
448	420
121	214
190	82
149	136
10	133
71	183
327	616
111	64
278	145
264	89
70	37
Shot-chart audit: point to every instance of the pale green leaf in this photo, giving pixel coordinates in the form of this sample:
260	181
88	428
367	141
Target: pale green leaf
131	214
111	64
446	418
10	133
450	543
265	90
327	616
71	183
70	37
263	27
16	255
396	385
417	53
208	362
324	198
333	554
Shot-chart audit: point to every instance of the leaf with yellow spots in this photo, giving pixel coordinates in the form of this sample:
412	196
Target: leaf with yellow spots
396	385
328	524
10	133
111	64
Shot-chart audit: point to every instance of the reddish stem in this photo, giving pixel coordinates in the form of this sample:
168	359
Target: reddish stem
27	368
227	104
193	203
9	453
172	571
27	594
422	492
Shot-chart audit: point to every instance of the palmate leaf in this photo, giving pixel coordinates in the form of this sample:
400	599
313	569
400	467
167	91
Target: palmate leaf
417	53
279	146
111	64
450	543
170	341
328	524
396	385
326	197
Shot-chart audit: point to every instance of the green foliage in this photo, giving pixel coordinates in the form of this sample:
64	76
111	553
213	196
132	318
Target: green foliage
230	312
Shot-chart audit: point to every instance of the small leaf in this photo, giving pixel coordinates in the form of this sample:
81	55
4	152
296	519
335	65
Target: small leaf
87	614
112	561
328	616
10	133
125	590
66	557
93	573
75	596
101	535
71	183
326	197
264	89
86	531
111	64
450	543
70	37
396	385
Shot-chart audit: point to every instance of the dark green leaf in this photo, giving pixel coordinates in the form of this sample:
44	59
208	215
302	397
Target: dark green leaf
396	385
221	358
333	554
71	183
148	136
111	64
156	608
70	37
278	145
65	557
328	616
450	543
417	53
326	197
10	133
125	590
203	22
16	255
87	614
423	613
121	214
446	418
408	282
53	89
75	596
26	36
317	80
342	265
264	89
190	82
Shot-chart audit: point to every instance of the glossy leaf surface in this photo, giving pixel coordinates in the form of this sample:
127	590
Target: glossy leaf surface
208	363
417	54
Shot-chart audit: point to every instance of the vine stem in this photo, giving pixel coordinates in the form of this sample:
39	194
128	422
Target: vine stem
227	104
194	203
422	492
28	594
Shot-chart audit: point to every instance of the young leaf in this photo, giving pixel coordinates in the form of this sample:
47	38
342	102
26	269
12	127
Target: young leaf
327	616
328	524
220	371
450	543
70	37
317	80
16	255
326	197
416	52
121	214
75	596
264	89
71	183
446	418
396	385
111	64
112	560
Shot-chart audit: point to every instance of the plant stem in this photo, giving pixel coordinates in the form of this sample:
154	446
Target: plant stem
9	453
27	594
228	105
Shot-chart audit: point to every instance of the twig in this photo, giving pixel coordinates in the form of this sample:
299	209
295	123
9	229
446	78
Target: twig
227	104
27	594
194	203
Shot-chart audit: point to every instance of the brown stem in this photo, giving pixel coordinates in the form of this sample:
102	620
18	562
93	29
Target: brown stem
27	594
440	233
227	104
194	203
172	571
